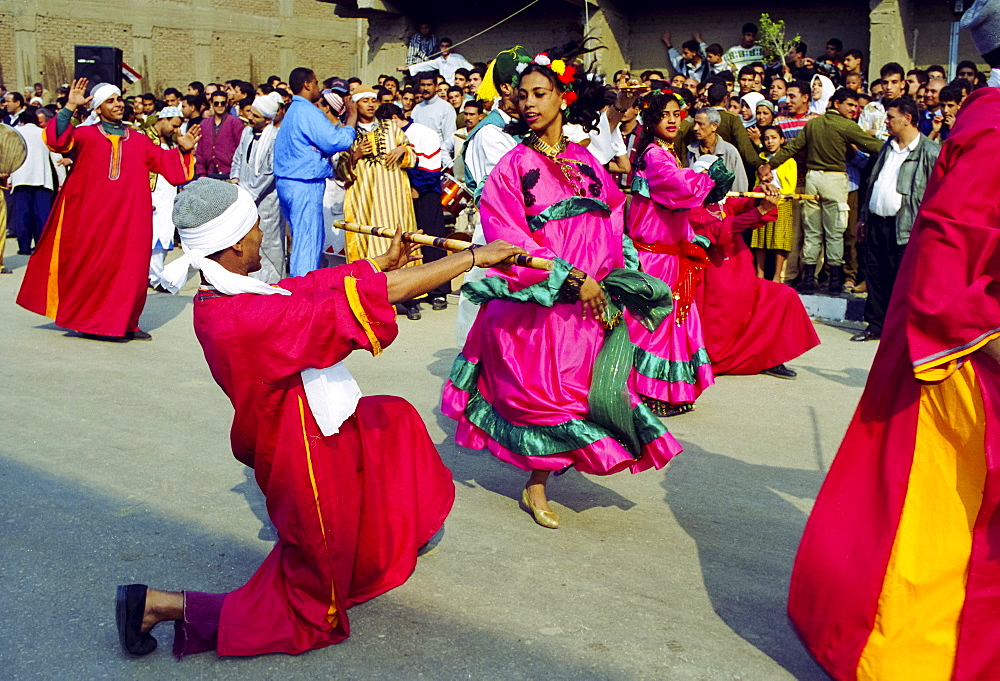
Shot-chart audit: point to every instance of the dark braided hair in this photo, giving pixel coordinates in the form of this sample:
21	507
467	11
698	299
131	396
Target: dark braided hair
651	105
592	95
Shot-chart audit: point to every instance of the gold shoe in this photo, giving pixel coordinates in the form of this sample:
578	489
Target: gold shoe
549	519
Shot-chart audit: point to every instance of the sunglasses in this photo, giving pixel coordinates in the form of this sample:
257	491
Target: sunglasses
219	103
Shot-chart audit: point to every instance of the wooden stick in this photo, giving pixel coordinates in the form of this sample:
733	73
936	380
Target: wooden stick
761	195
445	244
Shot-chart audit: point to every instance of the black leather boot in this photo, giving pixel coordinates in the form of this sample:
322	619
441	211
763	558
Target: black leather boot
836	280
808	283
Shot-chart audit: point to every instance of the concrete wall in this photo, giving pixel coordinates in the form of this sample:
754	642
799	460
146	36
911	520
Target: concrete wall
172	42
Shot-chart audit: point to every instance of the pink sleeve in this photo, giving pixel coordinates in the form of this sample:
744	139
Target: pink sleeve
746	216
504	216
331	313
662	181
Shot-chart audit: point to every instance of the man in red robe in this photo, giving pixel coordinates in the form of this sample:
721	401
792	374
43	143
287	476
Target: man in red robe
353	486
89	272
751	325
898	573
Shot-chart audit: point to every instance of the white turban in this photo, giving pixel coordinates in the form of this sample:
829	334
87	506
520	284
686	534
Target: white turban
101	93
205	230
331	392
266	106
170	112
358	96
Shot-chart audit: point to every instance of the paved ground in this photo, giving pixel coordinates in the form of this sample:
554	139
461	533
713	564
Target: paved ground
114	467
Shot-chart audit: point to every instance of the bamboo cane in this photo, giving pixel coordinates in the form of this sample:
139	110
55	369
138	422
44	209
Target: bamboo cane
761	195
531	262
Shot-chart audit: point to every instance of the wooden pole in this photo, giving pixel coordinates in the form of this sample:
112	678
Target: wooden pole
761	195
439	242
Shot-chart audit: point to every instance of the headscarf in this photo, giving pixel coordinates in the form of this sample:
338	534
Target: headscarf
210	216
334	100
752	99
266	106
100	93
983	22
358	96
819	106
504	70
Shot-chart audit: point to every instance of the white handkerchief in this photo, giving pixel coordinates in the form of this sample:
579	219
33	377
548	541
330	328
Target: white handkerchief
332	394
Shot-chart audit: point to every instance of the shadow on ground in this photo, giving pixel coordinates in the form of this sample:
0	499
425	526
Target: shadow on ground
751	506
66	547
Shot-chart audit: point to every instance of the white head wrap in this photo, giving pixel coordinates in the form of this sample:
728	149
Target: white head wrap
206	228
752	99
331	392
819	106
101	93
358	96
170	112
266	106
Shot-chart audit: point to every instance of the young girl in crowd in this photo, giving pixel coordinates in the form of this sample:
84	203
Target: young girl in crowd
672	366
776	236
526	382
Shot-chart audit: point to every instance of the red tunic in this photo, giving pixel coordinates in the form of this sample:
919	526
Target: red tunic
351	509
865	552
90	270
750	324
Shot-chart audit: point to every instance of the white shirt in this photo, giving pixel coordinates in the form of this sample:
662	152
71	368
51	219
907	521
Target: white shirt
446	66
486	148
606	144
37	168
426	145
886	201
872	120
439	116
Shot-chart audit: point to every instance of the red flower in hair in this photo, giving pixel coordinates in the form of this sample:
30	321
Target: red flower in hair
569	97
566	77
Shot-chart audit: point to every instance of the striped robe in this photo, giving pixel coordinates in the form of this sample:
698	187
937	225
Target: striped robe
376	194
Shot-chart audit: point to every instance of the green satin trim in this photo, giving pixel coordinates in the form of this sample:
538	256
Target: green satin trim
640	185
541	440
672	371
567	208
545	292
702	241
631	255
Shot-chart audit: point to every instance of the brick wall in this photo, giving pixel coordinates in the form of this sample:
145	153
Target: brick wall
173	42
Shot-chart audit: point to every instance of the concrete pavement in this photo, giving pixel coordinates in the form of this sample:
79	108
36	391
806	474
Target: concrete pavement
115	467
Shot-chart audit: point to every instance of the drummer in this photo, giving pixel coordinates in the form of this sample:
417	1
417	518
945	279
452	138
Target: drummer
425	180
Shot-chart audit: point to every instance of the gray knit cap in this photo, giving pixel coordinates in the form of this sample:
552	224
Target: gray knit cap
983	22
203	200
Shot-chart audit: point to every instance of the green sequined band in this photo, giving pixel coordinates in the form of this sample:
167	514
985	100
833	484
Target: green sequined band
672	371
567	208
545	292
540	440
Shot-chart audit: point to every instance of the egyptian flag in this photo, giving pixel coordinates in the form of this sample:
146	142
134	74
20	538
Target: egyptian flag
129	75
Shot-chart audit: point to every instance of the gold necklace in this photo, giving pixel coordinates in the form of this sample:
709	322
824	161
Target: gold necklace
544	148
568	166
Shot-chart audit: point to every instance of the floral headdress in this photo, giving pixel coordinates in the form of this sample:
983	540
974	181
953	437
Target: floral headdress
565	74
680	100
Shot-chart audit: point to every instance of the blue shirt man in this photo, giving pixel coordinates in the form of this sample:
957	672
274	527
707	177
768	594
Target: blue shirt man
302	149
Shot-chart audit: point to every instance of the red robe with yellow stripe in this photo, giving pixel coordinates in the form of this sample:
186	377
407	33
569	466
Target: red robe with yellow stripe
351	509
90	270
898	573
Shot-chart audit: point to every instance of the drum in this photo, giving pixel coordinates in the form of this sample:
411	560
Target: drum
454	195
13	150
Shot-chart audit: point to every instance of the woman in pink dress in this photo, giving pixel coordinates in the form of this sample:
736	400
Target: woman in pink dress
672	366
522	386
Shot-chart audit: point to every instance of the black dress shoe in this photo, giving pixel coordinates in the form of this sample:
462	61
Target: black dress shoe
412	311
130	606
868	334
25	252
439	304
780	371
138	335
